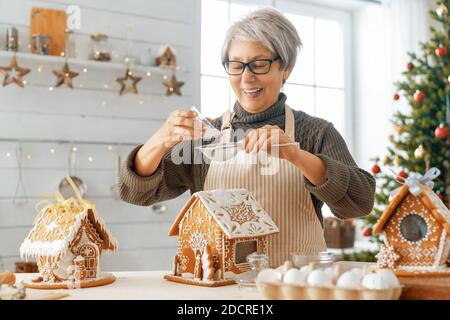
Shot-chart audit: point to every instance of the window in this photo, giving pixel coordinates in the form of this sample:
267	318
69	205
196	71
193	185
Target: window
320	82
243	249
413	227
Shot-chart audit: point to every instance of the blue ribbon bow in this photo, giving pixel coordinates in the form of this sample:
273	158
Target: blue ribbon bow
414	179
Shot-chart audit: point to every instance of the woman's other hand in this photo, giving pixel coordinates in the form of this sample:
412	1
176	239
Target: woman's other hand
266	138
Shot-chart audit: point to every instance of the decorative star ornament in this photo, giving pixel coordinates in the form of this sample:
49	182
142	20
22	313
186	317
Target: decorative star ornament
64	76
173	86
13	73
128	83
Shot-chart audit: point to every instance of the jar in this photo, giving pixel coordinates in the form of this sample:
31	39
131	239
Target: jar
315	260
101	50
12	39
247	280
41	44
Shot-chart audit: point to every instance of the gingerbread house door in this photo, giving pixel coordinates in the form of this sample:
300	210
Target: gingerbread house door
90	254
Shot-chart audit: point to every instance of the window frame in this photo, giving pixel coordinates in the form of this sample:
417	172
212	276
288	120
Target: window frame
342	16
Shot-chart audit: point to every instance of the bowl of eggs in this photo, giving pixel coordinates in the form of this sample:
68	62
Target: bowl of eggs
340	281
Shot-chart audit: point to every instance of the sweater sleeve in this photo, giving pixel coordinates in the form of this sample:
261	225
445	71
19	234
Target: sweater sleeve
348	190
167	182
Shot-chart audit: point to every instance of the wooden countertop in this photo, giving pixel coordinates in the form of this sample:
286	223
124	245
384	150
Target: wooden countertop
148	285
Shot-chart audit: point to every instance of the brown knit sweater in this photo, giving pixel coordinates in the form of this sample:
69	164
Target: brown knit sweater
348	190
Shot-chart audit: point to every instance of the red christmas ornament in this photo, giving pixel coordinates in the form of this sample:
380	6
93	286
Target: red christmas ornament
410	66
441	132
367	232
375	169
401	176
441	196
398	127
419	96
396	96
441	51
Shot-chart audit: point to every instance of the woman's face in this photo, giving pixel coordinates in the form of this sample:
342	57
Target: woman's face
267	86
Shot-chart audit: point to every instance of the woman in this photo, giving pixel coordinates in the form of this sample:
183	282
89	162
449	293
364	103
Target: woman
259	53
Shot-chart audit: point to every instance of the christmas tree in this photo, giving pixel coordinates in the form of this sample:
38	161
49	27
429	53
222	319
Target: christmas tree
422	136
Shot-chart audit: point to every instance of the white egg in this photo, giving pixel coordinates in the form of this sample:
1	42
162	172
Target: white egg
349	280
357	271
269	275
389	277
383	279
319	277
330	272
305	269
295	276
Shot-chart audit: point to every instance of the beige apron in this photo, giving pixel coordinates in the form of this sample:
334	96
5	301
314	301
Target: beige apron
282	194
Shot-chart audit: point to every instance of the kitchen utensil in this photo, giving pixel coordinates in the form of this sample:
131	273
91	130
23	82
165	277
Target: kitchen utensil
20	188
226	151
159	208
64	187
211	131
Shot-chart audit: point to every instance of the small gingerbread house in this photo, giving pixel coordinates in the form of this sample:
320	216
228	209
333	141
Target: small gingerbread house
216	232
166	58
67	236
417	231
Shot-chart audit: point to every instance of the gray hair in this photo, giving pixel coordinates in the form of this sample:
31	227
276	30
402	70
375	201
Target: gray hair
270	28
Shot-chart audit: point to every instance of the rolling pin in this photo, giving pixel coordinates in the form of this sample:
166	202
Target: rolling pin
7	278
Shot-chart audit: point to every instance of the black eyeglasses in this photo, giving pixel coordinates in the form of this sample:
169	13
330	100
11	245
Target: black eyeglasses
259	66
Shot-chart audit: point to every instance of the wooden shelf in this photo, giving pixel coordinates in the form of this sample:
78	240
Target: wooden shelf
43	60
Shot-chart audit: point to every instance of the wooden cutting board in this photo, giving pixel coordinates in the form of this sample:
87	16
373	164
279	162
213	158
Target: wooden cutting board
425	288
52	23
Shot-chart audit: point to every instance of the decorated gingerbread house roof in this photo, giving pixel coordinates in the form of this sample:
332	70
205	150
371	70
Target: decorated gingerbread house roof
57	225
430	200
236	211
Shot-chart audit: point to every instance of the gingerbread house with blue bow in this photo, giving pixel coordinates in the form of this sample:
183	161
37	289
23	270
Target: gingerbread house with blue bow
416	225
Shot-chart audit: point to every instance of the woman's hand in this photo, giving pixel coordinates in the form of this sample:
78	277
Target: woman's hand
180	125
263	139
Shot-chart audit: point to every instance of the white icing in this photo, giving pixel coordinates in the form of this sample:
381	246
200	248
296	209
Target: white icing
58	247
442	241
216	203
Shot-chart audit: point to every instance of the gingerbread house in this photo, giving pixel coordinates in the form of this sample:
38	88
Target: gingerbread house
216	232
417	233
166	58
67	237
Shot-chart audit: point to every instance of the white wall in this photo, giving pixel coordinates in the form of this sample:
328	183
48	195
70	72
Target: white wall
98	114
382	37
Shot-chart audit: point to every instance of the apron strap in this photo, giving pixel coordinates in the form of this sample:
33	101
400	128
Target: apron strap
227	117
289	124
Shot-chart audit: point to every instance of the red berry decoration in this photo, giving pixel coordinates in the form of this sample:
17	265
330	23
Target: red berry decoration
401	176
375	169
367	232
441	51
441	132
410	66
396	96
419	96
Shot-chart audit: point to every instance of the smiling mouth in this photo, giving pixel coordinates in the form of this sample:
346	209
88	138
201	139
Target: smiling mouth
252	92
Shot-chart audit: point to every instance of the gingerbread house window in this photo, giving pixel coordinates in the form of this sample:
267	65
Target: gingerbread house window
243	249
413	227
